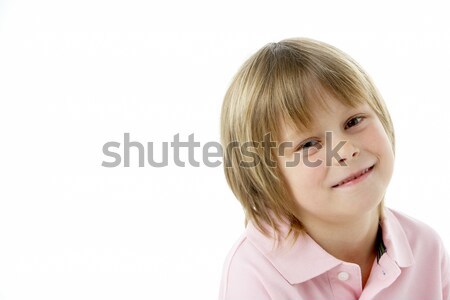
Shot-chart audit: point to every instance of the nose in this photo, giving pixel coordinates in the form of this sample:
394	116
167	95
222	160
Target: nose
350	152
342	151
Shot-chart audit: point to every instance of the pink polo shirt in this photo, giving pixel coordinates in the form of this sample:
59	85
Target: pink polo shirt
415	266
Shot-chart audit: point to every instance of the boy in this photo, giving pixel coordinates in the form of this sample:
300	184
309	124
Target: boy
317	227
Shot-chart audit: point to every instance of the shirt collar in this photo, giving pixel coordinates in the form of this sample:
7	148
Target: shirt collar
305	259
395	239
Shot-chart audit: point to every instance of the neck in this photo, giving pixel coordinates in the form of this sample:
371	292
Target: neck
351	241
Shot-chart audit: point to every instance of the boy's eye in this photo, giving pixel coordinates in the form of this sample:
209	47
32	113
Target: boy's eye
309	144
353	121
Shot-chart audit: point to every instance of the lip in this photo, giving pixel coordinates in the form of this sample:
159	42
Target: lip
357	177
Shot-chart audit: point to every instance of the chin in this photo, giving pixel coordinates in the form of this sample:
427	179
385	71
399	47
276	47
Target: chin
363	204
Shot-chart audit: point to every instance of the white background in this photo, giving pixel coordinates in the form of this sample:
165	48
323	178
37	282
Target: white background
77	74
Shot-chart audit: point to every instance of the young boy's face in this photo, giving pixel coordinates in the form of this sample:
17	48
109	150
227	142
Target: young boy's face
353	179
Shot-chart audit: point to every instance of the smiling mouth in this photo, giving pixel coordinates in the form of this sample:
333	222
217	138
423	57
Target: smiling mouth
355	178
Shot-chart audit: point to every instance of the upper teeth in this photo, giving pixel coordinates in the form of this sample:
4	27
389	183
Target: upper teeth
354	177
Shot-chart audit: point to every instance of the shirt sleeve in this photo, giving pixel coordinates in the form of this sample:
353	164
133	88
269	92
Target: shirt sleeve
241	280
241	283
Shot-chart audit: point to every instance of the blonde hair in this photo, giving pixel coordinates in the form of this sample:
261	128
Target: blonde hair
279	83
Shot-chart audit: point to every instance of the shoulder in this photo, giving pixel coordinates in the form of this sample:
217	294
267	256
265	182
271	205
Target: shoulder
242	272
423	239
427	247
415	229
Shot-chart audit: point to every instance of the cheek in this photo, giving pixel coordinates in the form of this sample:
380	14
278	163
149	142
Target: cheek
383	139
379	143
304	180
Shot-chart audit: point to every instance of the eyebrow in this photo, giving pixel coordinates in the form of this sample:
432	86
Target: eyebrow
309	131
293	137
